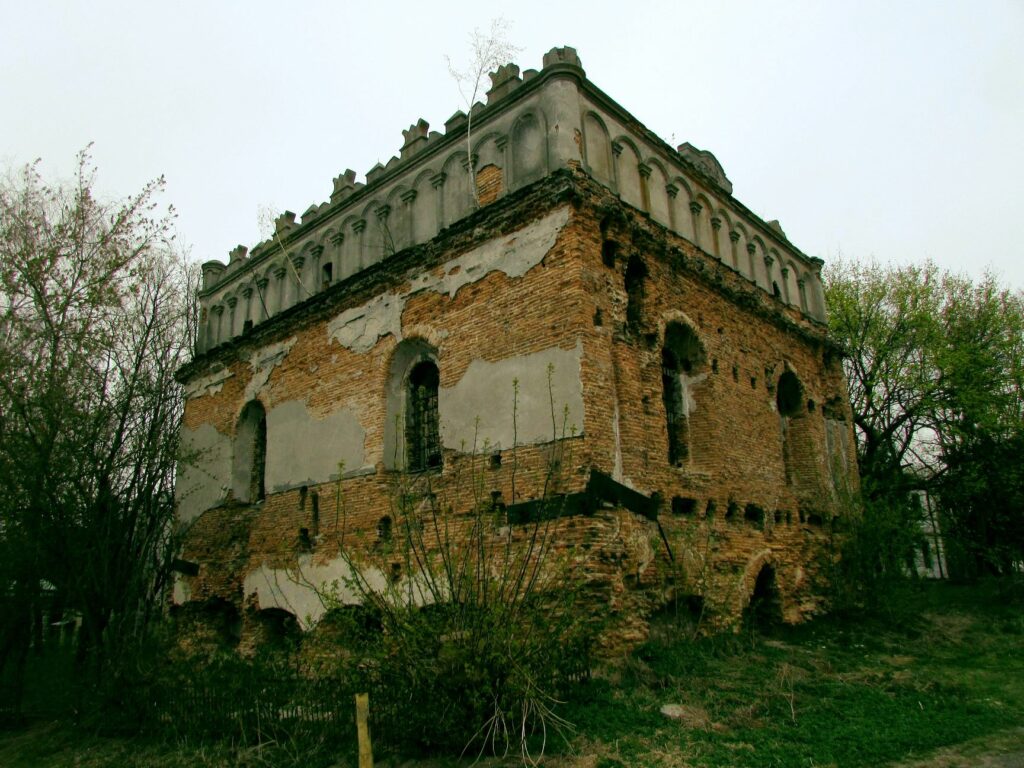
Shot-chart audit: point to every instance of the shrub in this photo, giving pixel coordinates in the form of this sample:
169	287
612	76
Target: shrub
480	635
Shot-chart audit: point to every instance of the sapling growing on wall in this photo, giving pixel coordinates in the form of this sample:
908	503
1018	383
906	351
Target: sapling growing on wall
488	51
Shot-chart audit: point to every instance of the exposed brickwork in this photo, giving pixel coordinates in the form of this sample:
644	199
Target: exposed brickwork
754	488
488	184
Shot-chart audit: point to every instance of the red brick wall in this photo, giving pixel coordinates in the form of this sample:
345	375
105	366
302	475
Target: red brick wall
749	339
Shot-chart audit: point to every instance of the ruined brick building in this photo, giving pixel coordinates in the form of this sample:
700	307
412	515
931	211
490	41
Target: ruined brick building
602	302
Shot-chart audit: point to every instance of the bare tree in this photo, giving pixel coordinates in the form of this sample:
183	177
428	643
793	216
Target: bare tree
97	311
489	50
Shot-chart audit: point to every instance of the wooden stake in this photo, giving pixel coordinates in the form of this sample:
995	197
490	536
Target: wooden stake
363	730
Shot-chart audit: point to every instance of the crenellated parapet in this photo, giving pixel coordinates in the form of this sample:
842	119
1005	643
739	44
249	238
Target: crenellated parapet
534	122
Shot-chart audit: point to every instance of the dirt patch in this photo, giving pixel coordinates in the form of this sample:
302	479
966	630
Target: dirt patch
999	750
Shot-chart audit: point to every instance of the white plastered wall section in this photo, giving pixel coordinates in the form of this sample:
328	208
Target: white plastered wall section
204	471
304	448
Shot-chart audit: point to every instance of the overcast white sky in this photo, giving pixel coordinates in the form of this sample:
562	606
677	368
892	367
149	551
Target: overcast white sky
885	129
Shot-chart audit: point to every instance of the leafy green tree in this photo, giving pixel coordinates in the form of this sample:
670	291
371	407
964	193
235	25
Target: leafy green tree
96	314
934	368
978	426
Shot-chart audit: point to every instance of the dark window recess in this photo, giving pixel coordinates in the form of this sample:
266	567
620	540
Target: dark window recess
789	399
778	515
316	514
709	510
247	326
731	510
636	271
495	461
598	318
682	505
384	529
753	514
789	394
185	567
609	249
776	291
672	393
326	274
255	413
421	419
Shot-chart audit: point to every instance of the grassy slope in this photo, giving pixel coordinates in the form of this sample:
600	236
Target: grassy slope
940	665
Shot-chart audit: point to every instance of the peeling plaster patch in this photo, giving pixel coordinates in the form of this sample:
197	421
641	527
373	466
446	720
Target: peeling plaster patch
182	592
262	362
485	391
210	384
307	450
515	255
638	548
204	470
686	385
360	327
303	591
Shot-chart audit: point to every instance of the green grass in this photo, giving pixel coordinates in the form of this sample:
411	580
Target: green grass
939	665
936	665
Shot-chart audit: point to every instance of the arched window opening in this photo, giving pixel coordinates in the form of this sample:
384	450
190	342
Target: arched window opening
422	439
636	271
326	274
250	459
681	357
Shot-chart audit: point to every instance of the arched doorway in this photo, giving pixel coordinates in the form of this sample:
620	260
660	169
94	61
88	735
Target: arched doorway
764	610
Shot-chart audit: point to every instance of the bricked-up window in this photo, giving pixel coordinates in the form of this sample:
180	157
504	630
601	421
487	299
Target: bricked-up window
422	441
250	459
681	358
